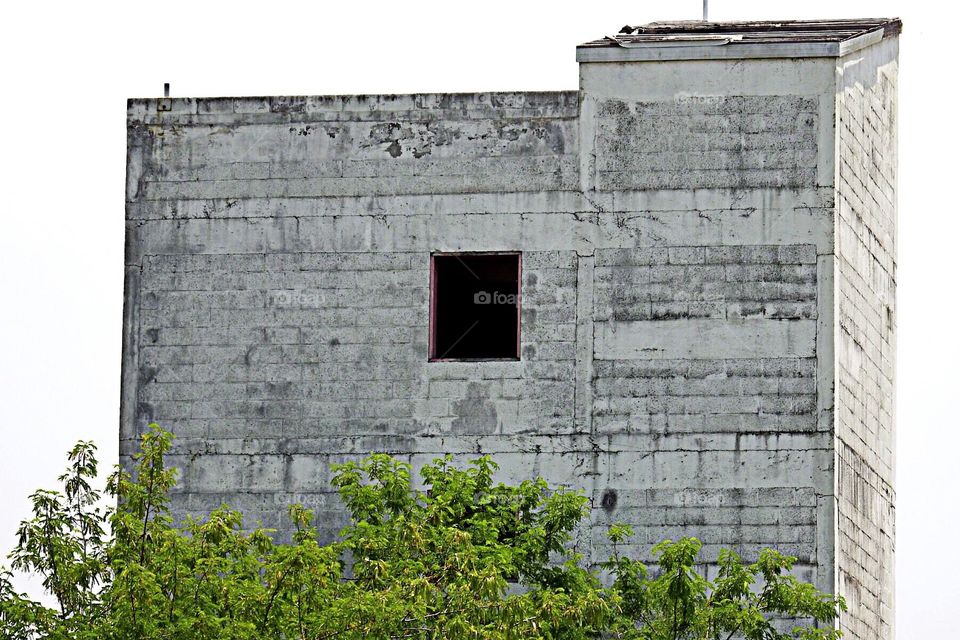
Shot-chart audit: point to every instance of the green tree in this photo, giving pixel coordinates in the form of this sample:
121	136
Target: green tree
463	557
750	601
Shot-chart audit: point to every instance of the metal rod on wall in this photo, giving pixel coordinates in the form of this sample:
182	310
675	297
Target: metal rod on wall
705	10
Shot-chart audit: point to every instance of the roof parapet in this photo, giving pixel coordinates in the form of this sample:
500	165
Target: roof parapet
699	40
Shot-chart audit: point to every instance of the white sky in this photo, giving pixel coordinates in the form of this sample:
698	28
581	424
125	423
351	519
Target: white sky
68	68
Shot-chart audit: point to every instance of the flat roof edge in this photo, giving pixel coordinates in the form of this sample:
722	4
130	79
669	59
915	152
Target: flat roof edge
716	51
862	41
727	50
728	46
301	107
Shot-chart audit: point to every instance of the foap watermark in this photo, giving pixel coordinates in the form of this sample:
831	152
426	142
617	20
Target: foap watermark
496	297
698	499
295	298
309	500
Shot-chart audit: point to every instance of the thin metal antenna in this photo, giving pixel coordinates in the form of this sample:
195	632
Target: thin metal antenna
705	10
166	85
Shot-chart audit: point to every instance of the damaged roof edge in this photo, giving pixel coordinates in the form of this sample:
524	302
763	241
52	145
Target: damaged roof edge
373	107
303	108
741	40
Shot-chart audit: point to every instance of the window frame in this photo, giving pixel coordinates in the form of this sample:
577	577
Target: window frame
432	330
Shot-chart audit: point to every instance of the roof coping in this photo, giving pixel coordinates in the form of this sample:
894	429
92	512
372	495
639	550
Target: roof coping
693	40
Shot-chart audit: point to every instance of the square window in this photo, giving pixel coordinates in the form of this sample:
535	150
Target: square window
475	306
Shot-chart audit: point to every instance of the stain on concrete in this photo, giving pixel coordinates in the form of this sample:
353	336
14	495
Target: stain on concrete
475	413
609	500
395	150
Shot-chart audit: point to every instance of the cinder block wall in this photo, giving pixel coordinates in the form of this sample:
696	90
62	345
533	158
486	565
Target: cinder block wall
866	323
713	335
684	241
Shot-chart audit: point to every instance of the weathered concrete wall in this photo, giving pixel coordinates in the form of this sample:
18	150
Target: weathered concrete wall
712	142
721	335
677	335
357	146
866	325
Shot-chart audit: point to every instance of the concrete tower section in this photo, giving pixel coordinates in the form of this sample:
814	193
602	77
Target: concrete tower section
681	277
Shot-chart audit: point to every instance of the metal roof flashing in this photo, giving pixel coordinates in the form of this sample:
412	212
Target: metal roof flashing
738	40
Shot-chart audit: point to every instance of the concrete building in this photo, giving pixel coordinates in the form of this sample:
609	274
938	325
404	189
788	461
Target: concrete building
673	289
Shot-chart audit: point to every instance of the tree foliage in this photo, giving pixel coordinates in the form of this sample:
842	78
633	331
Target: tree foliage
461	557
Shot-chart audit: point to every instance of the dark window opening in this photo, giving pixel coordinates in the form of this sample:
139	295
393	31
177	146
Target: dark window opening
475	306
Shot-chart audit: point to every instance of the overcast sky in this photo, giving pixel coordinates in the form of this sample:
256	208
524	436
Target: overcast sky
68	68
